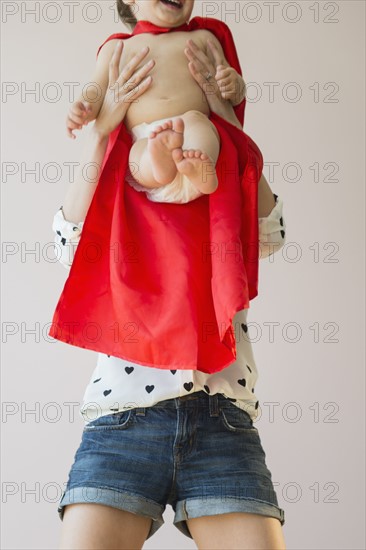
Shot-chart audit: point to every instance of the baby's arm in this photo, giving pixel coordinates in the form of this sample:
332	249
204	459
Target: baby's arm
86	108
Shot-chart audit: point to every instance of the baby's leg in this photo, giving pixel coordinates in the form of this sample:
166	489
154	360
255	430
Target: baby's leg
196	159
151	164
201	148
155	161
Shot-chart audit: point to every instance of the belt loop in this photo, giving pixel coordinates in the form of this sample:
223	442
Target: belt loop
141	411
214	405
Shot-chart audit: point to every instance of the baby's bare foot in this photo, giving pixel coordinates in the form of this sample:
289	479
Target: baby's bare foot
198	167
162	141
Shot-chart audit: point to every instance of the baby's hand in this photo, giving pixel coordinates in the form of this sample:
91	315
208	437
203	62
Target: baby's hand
204	67
78	116
230	83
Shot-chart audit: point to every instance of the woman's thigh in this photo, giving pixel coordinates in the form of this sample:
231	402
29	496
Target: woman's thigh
237	531
222	472
100	527
117	473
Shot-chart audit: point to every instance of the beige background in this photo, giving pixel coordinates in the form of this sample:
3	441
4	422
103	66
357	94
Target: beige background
313	368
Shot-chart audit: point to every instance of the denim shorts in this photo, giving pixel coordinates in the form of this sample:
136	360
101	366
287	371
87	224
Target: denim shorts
199	453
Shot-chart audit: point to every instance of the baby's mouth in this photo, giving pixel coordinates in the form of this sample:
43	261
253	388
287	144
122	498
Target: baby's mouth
177	4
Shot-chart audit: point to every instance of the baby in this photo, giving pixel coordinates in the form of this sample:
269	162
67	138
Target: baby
175	145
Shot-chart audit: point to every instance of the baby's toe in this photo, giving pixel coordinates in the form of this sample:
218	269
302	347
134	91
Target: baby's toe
179	125
177	154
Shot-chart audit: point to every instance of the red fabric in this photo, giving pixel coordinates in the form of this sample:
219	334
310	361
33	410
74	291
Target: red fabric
158	284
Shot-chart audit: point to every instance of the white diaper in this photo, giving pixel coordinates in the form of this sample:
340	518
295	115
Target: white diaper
179	191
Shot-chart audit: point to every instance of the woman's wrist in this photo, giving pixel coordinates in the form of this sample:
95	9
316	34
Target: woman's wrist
105	124
241	92
99	133
226	111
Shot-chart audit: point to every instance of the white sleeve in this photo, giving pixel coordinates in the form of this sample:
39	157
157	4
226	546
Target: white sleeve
272	230
67	236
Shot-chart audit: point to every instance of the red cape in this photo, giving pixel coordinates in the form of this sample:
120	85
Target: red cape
158	284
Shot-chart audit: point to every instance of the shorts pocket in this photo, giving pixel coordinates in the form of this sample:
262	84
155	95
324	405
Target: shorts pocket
116	421
235	419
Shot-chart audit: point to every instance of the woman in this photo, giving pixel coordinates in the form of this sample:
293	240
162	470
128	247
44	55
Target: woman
197	450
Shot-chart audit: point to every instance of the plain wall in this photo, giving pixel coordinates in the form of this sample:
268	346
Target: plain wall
311	293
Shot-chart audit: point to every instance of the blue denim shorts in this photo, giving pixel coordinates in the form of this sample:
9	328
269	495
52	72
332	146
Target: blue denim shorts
199	453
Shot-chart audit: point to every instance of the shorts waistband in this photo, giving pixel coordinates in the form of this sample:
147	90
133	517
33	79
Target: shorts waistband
213	402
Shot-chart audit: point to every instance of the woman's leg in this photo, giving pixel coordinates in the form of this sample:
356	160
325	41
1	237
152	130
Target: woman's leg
99	527
237	531
188	144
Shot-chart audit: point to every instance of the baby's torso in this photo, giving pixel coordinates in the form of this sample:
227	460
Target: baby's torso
173	89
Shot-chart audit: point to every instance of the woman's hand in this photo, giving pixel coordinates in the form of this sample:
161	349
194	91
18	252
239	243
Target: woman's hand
224	85
122	89
200	66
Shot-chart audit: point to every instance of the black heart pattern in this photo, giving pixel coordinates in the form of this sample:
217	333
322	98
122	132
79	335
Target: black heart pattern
281	221
249	369
96	380
149	389
282	233
129	369
106	392
207	389
188	386
256	405
244	327
242	382
173	371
